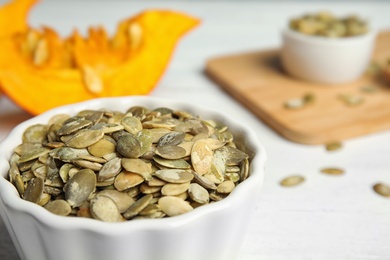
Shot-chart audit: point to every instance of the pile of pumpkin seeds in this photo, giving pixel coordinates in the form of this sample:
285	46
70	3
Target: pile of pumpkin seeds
115	166
325	24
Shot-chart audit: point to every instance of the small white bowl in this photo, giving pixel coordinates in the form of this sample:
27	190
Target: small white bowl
326	60
213	231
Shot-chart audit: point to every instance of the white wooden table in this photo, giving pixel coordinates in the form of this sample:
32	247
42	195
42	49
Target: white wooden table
326	217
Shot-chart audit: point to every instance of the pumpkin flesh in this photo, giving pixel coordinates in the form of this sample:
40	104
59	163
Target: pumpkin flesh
39	70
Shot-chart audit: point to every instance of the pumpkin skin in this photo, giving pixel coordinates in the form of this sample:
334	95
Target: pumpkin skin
39	70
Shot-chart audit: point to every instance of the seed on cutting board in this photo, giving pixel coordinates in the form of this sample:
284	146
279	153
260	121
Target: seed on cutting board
382	189
351	100
369	89
308	98
294	103
332	146
332	171
292	180
88	164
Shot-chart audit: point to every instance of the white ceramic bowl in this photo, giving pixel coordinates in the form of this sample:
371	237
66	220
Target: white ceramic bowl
326	60
213	231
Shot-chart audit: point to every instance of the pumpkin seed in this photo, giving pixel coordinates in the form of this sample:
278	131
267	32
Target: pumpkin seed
128	146
84	139
150	209
325	24
171	152
126	180
292	180
33	154
333	171
382	189
198	193
173	206
174	175
59	207
201	157
172	189
79	187
351	100
369	89
73	126
44	199
110	169
146	189
137	206
174	164
35	134
225	187
105	209
137	166
34	190
122	200
172	138
132	124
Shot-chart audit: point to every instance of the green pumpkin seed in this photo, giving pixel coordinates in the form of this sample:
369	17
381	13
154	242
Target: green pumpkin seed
173	206
128	146
174	175
34	190
79	187
59	207
382	189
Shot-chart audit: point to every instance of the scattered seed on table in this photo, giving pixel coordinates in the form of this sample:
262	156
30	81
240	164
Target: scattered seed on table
382	189
333	171
292	180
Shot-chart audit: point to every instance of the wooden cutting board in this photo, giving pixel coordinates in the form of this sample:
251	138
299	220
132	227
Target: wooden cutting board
257	80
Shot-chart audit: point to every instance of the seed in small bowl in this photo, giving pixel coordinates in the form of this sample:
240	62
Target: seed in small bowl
325	49
79	171
132	197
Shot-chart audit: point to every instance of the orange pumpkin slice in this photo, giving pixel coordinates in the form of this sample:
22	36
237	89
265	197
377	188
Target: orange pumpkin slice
39	70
